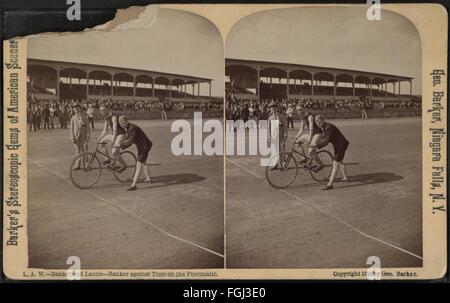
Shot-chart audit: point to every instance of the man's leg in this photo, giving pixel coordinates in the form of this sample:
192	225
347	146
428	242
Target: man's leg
343	171
146	169
312	151
105	139
116	151
136	175
78	149
333	175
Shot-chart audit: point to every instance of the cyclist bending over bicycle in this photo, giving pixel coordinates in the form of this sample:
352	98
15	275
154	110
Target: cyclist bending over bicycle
116	137
310	138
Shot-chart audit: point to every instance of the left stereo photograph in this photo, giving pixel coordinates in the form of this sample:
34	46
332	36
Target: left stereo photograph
120	173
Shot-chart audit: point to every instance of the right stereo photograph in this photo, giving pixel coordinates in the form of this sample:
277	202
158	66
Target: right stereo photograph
346	182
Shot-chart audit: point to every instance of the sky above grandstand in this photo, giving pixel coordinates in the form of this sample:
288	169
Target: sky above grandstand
339	37
178	42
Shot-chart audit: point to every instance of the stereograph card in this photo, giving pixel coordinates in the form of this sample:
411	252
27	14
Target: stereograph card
225	141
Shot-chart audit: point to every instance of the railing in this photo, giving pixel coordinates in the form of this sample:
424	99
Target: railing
156	114
373	113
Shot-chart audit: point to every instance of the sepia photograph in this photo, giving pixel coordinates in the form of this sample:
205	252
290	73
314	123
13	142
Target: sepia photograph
227	142
347	184
104	184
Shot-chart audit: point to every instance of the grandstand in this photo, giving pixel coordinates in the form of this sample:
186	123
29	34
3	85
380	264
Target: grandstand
57	80
258	80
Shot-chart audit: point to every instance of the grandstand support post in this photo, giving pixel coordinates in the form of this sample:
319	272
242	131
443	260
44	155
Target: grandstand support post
353	86
153	87
385	89
134	86
57	84
170	88
312	84
87	84
393	88
370	88
112	83
209	82
335	83
258	92
287	85
198	89
410	87
399	90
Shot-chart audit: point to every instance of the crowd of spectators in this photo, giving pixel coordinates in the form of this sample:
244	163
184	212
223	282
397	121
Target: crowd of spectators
242	109
44	114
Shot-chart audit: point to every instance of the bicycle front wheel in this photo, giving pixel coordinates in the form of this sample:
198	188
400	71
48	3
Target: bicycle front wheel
85	170
284	172
128	174
324	174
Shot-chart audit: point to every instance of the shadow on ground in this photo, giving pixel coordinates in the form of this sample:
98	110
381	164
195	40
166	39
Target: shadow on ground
161	181
373	178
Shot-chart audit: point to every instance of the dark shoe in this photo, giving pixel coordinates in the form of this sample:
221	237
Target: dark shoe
275	167
76	168
131	188
304	161
317	169
121	169
328	187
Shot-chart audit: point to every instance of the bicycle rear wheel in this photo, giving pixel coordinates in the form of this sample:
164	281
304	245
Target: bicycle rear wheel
128	174
324	174
284	173
85	170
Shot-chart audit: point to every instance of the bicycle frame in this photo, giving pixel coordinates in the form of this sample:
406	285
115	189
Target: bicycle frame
97	151
295	151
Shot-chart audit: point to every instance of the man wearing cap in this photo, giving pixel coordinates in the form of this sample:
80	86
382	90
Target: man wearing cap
309	138
79	132
136	136
276	115
116	136
331	134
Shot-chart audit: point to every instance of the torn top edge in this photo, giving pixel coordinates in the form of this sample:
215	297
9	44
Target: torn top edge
131	18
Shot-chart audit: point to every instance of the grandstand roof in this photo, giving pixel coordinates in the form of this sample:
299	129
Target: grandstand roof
278	69
116	70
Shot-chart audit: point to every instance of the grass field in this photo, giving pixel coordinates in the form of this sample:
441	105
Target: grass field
378	213
175	222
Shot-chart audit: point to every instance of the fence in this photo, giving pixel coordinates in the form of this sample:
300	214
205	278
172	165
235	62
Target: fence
171	114
373	113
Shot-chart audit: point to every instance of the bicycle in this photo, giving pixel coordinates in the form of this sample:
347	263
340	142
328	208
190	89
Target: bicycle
281	176
86	168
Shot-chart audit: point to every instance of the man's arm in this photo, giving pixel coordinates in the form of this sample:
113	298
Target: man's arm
105	127
72	137
130	139
300	131
327	132
285	130
114	128
311	125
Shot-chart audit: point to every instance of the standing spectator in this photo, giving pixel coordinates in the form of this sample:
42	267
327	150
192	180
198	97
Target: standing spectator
290	115
52	111
363	105
31	117
90	114
46	117
79	132
37	118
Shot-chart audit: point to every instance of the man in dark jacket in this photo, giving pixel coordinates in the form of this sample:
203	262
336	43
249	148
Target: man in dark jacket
136	136
46	117
331	134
